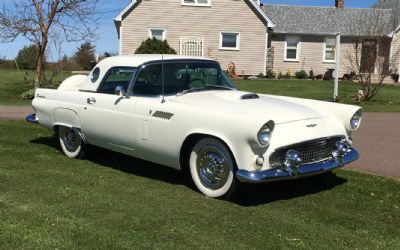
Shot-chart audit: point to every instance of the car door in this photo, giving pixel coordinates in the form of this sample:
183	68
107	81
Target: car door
108	119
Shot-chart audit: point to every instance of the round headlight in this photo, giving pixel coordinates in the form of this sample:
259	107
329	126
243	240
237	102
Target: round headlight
264	134
356	119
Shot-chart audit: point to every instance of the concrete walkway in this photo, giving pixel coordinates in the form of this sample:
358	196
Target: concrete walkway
378	140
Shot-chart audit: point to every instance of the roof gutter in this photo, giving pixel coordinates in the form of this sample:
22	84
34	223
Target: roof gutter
319	34
119	17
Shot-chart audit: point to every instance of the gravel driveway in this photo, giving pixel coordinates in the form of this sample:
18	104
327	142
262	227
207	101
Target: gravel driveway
378	141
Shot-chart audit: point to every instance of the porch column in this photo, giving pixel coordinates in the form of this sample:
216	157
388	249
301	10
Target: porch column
337	55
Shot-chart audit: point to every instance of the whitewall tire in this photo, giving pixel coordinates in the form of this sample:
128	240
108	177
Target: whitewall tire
71	142
212	168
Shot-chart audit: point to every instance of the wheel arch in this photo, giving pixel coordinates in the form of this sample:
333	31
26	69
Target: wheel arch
189	143
64	117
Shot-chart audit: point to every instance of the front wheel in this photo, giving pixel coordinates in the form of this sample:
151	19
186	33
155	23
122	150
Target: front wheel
212	168
71	142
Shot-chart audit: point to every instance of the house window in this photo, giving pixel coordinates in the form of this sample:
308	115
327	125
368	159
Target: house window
229	40
292	50
159	34
329	49
197	2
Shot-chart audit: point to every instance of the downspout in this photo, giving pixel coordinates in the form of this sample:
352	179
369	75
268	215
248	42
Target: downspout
265	52
120	38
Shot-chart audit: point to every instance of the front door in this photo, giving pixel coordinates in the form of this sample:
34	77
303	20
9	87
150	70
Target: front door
368	56
108	120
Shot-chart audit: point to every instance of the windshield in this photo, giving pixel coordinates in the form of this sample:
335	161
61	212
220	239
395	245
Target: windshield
178	77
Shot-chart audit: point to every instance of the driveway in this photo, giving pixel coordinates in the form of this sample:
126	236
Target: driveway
14	112
378	141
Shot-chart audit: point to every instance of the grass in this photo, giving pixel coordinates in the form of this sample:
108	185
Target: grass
111	201
388	99
12	84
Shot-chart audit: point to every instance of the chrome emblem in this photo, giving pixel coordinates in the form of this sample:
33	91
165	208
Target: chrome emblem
312	125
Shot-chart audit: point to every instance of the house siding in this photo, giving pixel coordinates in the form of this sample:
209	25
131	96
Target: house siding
311	55
205	22
395	52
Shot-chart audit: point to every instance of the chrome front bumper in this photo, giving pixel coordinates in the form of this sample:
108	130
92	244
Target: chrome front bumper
301	171
32	118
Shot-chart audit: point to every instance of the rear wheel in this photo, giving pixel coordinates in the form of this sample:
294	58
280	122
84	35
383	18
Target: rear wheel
71	142
212	168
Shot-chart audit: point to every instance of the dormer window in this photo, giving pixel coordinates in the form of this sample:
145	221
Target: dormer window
197	2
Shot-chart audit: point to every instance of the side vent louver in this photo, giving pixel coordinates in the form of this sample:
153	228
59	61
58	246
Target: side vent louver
249	96
163	115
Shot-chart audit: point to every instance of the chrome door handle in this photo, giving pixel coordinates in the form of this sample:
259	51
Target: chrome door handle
91	100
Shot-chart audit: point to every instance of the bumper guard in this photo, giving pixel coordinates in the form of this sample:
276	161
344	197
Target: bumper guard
285	173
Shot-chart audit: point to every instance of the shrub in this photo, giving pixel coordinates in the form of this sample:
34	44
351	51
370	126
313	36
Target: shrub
286	76
312	76
270	74
301	74
29	94
154	46
261	75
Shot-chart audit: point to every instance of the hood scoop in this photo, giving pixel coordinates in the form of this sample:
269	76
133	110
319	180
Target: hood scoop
249	96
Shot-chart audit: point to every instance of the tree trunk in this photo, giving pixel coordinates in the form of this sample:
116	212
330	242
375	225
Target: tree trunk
40	63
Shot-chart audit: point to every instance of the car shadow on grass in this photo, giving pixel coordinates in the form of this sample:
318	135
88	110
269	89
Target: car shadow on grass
246	195
257	194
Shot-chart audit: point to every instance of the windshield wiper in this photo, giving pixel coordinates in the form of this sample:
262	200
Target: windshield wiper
204	88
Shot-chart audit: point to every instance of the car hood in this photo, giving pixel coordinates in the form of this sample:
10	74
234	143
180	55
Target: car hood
265	106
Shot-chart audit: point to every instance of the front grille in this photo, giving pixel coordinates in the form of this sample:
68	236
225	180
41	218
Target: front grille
312	151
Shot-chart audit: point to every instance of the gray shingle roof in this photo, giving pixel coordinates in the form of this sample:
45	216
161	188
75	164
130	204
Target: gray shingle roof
326	20
390	4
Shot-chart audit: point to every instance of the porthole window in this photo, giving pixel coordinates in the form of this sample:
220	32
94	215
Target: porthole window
95	75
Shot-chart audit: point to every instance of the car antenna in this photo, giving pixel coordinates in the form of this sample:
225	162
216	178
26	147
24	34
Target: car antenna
162	79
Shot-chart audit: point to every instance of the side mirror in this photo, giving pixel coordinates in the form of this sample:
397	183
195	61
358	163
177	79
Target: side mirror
119	90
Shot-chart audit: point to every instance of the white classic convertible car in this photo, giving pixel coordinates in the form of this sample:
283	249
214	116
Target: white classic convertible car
184	112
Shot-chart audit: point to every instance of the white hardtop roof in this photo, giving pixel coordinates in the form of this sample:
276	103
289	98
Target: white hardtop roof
139	59
128	61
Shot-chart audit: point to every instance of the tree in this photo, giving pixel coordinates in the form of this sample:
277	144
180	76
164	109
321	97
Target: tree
371	58
75	20
154	46
84	57
27	57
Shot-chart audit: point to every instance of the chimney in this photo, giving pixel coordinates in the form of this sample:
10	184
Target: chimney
339	4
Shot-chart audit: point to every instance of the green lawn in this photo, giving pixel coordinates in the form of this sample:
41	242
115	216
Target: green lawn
110	201
12	84
388	99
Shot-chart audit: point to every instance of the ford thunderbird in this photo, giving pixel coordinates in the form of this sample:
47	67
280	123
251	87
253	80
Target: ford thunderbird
184	113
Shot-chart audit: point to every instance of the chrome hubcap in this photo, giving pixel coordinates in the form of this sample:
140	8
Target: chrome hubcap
212	167
70	138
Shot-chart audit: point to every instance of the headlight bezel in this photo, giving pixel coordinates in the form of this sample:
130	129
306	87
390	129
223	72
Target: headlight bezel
355	120
264	134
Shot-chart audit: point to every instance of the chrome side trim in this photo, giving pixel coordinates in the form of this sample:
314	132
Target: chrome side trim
302	170
32	118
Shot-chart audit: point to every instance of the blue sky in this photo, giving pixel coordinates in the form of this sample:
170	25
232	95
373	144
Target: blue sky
107	36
